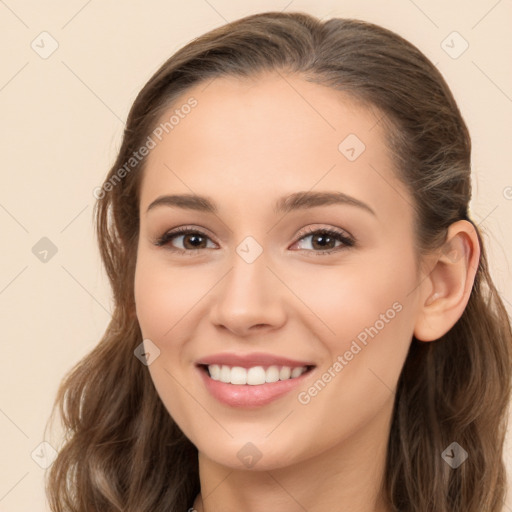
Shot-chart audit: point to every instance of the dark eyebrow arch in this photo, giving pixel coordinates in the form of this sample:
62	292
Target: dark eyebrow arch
295	201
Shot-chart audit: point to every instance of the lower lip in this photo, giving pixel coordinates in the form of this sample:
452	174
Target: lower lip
246	395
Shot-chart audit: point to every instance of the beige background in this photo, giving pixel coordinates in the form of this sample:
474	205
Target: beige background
61	124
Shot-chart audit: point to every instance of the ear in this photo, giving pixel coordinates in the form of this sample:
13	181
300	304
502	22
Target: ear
445	292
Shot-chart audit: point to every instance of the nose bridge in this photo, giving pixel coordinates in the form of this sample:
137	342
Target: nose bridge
249	294
247	284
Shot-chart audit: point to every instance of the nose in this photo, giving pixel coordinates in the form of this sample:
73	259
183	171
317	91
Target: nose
249	299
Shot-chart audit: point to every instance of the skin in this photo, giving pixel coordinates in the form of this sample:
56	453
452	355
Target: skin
247	143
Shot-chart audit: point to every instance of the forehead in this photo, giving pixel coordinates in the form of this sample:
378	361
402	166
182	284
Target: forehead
270	135
271	112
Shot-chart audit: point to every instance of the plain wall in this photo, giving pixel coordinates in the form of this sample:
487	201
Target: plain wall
62	118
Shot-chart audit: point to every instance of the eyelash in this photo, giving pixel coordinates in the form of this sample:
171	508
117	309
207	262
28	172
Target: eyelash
347	241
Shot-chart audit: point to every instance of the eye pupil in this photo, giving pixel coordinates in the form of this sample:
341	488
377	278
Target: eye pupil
193	236
323	238
322	241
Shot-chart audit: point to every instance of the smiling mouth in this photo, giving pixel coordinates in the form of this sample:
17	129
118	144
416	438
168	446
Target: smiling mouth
254	375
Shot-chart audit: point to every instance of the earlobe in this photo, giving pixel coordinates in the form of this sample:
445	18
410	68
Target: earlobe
445	291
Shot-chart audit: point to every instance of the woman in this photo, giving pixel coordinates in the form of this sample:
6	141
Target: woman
304	317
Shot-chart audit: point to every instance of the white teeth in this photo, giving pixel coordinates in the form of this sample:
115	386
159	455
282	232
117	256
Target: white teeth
255	375
272	374
214	370
225	374
238	375
296	372
285	373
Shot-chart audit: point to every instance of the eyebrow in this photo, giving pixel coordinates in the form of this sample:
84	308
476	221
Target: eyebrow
295	201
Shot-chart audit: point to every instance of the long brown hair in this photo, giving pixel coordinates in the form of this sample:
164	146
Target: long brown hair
122	450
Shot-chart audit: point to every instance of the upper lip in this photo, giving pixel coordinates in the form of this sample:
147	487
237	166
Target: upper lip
250	360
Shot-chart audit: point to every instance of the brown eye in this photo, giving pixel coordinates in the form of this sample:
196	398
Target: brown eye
196	241
325	240
191	239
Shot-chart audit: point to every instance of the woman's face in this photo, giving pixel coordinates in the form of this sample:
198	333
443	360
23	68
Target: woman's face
257	286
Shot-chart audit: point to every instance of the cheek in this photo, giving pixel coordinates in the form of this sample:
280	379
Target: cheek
336	303
364	318
368	312
355	299
333	306
163	295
